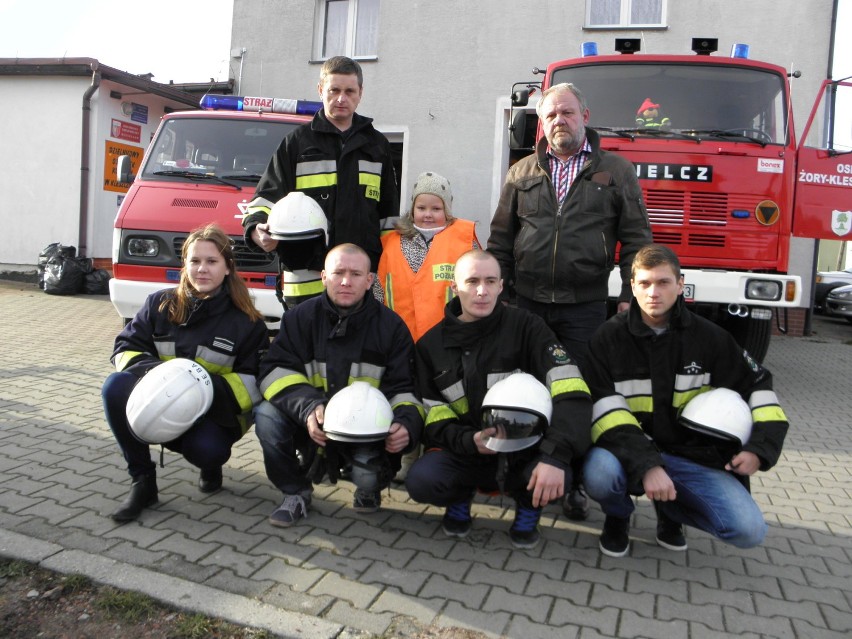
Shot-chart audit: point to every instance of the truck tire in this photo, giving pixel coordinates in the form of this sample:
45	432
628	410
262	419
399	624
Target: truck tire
752	334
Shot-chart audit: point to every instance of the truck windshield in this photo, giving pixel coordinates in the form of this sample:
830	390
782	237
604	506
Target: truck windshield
740	104
237	150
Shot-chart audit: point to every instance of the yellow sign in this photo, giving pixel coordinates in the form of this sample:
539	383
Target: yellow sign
111	152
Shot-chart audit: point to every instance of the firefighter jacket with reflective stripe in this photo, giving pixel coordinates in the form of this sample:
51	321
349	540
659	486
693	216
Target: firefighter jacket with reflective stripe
217	335
419	298
563	254
318	351
349	174
457	362
640	381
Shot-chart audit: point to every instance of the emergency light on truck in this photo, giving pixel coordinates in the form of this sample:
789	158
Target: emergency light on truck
212	102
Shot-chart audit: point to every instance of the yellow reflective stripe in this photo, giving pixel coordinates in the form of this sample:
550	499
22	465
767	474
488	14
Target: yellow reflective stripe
641	404
369	179
298	289
572	385
389	291
259	205
613	420
372	381
210	367
439	413
460	406
241	393
679	400
316	181
768	414
407	399
122	360
448	295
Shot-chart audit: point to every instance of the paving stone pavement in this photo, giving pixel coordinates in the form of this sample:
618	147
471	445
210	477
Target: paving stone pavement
343	574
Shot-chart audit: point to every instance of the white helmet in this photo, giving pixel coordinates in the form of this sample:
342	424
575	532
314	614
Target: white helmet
168	400
358	413
297	217
520	408
720	413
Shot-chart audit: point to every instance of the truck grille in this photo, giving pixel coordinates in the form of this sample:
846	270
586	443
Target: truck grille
246	259
676	218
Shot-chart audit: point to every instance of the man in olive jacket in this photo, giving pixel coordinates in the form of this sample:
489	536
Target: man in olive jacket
562	212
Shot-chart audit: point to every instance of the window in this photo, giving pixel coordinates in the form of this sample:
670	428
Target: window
346	27
625	13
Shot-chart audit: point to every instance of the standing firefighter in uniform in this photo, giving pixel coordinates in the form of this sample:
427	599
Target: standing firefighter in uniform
340	161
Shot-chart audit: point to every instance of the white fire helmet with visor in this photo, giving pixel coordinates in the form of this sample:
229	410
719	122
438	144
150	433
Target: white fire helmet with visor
168	400
519	407
297	217
720	413
359	413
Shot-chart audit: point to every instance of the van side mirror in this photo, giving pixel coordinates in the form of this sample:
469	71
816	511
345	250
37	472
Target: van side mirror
123	168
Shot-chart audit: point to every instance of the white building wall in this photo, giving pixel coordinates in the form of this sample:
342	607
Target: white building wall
445	69
39	164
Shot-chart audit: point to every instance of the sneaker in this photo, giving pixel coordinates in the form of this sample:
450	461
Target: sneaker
457	520
366	502
614	540
576	504
291	510
669	532
524	532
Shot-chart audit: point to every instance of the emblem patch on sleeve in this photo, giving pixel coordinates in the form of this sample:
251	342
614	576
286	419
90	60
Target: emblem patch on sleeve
558	354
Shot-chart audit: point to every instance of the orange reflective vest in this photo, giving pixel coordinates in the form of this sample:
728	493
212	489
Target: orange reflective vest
419	298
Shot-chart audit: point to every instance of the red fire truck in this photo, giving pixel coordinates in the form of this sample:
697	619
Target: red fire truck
201	167
718	163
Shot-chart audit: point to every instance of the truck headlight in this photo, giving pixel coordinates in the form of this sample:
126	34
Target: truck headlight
766	290
142	247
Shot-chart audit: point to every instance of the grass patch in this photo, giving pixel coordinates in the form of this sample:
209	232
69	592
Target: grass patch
125	605
10	568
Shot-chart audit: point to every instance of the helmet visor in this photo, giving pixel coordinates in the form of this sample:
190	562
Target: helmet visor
514	429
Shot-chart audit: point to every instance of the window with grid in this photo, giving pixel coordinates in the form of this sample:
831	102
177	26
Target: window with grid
625	13
346	27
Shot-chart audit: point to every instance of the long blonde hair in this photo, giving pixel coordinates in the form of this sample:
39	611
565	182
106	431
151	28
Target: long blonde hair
179	304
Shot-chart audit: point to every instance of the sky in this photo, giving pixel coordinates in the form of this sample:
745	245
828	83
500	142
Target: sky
180	40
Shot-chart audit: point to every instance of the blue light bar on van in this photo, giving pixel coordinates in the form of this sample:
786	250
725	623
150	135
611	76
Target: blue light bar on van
589	49
251	103
740	50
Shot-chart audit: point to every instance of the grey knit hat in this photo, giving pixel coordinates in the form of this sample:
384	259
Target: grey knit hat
433	184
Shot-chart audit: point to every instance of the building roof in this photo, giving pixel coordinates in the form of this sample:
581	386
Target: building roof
85	67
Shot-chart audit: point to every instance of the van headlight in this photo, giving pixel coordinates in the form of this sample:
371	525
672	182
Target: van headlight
143	247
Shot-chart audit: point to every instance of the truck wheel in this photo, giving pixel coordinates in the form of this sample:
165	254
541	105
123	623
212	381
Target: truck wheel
752	334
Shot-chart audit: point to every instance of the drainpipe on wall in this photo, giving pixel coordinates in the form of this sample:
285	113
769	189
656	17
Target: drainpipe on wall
85	159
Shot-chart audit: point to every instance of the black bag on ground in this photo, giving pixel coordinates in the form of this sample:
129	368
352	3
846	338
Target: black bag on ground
49	251
65	275
97	282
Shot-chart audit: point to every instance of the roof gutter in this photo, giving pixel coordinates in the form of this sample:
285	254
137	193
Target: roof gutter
85	160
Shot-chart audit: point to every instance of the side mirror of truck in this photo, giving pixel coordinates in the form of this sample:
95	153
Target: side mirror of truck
521	98
123	168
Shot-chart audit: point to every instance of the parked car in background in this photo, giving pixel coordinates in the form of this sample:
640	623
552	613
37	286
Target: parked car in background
838	302
825	282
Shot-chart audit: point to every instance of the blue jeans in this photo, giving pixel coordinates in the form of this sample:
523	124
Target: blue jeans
708	499
205	445
280	436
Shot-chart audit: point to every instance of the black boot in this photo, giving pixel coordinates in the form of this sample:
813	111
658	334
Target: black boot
143	493
210	480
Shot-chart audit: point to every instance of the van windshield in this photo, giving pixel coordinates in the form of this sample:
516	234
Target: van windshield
214	147
703	100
